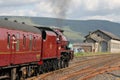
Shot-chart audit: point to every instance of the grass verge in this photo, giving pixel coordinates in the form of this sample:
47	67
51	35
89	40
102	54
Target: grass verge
90	54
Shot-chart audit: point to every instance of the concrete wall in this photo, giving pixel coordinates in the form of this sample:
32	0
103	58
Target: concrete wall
96	47
103	43
114	46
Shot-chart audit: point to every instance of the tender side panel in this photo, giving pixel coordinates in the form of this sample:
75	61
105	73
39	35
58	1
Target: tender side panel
50	45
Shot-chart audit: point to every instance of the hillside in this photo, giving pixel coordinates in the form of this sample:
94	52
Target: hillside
75	30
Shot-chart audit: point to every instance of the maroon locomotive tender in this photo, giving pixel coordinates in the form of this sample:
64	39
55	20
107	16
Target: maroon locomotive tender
27	51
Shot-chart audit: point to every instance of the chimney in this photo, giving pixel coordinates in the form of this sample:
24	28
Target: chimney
5	18
23	22
15	21
90	33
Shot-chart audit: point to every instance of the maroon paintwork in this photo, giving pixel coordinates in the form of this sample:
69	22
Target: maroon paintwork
50	45
63	40
10	55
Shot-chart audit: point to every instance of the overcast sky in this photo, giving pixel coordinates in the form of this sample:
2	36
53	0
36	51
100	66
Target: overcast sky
73	9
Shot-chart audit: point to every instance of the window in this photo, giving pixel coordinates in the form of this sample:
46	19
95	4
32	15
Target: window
17	41
24	41
8	41
30	43
115	45
34	42
98	35
44	34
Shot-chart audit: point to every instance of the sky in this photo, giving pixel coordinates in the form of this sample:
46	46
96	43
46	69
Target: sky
68	9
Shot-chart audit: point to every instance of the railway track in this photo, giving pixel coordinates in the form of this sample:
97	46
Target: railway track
100	71
89	69
82	69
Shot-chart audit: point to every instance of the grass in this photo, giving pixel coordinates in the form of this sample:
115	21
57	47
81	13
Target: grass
90	54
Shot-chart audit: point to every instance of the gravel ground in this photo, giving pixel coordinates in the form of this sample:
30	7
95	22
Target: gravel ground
114	75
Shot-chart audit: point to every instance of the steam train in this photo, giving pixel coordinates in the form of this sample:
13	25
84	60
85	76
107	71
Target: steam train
27	51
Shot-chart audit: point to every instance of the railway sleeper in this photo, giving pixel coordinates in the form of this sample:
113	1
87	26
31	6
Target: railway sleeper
4	77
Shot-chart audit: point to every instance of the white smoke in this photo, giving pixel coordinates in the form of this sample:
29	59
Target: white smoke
60	7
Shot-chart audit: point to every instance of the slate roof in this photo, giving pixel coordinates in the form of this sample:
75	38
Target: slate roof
18	26
96	38
112	36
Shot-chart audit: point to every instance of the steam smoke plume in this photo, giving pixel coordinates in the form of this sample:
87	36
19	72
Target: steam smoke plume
60	7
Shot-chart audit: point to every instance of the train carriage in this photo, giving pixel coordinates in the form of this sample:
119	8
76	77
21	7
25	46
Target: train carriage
18	47
27	50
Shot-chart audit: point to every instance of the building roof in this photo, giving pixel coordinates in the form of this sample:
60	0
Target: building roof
87	44
112	36
96	38
18	26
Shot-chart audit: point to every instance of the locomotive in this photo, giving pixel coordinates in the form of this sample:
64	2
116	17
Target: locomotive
27	50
